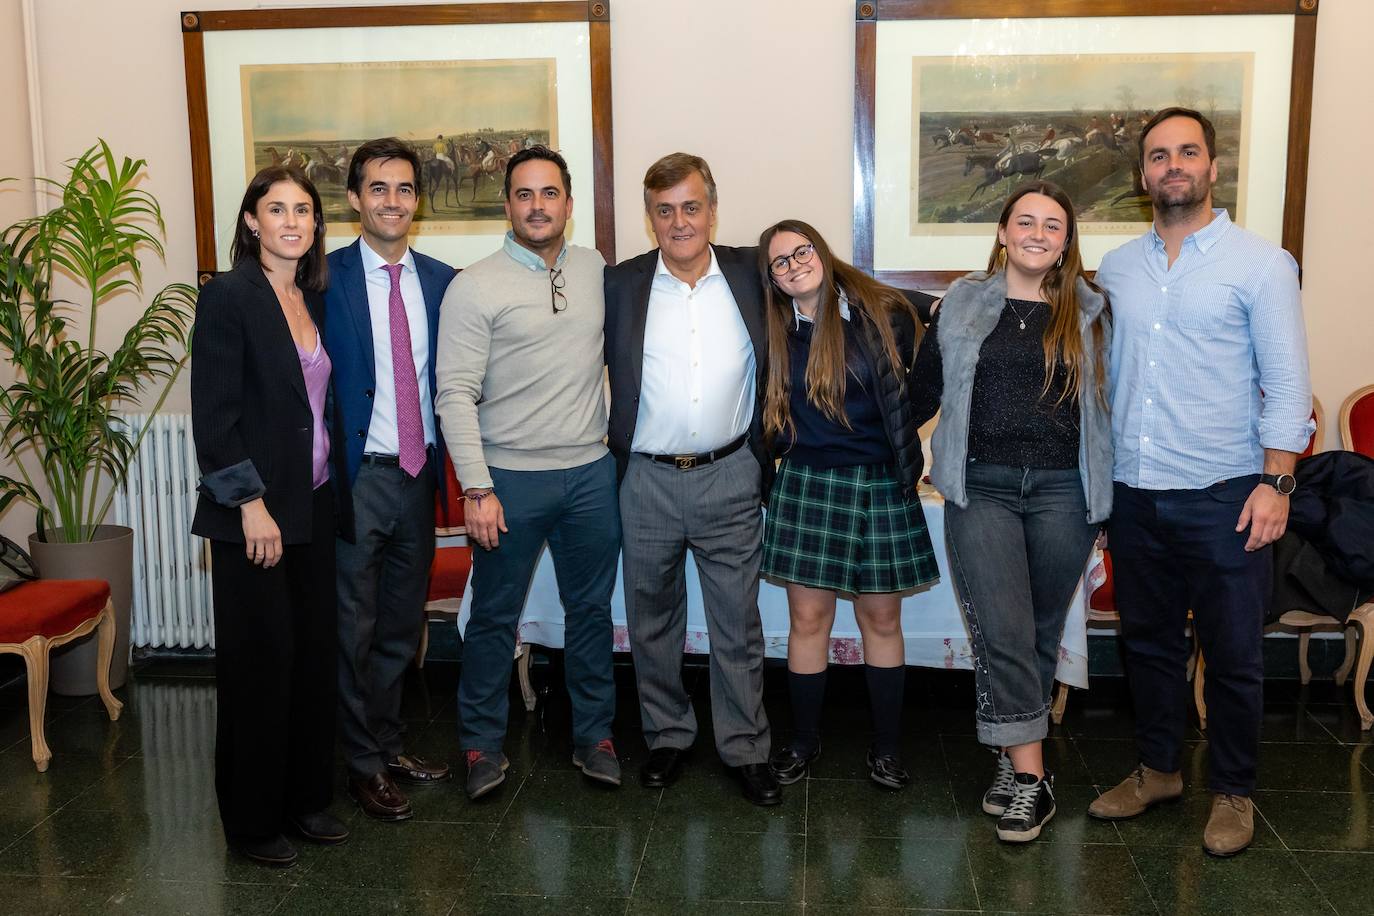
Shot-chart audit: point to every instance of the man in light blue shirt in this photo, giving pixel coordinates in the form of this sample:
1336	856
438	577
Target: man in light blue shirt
1211	405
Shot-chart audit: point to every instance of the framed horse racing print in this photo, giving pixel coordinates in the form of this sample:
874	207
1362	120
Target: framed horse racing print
958	101
458	82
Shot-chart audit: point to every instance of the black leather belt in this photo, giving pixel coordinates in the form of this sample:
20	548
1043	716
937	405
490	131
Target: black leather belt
687	462
390	461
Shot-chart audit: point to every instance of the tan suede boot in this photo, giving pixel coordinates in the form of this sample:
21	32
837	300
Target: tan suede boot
1231	825
1140	791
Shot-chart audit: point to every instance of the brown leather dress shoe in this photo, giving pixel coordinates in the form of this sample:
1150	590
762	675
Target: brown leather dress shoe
414	770
378	796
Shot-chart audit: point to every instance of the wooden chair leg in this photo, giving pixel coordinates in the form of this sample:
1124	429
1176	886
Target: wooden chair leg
1061	702
35	652
523	657
105	645
1304	669
1199	680
423	649
1343	671
1362	673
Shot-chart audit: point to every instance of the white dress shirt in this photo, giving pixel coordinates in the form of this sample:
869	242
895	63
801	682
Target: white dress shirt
381	431
697	388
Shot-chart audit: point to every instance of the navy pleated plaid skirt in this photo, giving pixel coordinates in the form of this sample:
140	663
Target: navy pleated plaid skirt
846	529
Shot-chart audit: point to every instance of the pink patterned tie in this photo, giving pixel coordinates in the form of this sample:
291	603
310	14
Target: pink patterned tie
410	431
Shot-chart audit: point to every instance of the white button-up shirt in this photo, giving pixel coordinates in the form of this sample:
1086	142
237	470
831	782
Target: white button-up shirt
697	387
381	431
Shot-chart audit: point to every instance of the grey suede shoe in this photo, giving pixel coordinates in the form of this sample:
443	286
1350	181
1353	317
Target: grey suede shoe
486	771
598	762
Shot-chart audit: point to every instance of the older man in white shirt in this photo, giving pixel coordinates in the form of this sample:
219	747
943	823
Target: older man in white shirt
685	346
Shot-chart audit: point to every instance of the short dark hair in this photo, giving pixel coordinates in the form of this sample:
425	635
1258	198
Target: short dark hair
381	148
1209	133
543	153
312	271
675	168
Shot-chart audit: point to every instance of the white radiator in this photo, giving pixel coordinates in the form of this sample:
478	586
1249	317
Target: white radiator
172	604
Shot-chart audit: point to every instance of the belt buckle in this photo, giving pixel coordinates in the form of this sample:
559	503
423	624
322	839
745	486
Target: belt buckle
686	462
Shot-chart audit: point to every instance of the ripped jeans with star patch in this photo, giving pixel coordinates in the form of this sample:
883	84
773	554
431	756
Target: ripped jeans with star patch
1016	553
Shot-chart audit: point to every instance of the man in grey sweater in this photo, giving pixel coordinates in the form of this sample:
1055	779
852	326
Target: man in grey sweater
519	379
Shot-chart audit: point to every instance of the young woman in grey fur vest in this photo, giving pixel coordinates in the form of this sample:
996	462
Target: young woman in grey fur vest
1016	362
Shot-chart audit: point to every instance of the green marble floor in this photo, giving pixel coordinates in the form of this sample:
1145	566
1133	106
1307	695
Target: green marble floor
124	821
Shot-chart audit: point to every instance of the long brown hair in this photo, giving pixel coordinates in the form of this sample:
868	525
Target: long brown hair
1063	340
312	270
826	369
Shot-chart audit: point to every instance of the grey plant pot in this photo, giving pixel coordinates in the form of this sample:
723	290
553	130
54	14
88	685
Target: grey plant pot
109	556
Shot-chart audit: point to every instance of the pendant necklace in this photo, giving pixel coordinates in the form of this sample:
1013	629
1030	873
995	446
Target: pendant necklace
1022	318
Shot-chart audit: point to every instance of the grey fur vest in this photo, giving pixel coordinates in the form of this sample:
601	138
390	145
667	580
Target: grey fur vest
968	313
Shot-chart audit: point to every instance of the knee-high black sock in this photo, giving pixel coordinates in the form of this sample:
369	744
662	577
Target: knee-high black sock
808	693
886	687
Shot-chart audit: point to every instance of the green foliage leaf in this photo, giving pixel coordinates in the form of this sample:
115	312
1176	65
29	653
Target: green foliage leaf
58	416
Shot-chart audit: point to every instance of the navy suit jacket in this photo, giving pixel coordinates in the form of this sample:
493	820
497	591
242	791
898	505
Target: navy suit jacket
348	338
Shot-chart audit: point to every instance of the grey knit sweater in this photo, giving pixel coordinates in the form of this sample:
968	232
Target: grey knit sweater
519	387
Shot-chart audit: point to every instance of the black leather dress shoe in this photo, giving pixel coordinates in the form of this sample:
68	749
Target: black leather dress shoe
662	768
887	771
320	827
789	766
759	784
414	770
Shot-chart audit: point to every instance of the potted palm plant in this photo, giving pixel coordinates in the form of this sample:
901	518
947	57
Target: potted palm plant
64	442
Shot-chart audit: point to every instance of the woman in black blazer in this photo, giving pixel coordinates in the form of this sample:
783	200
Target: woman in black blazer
259	383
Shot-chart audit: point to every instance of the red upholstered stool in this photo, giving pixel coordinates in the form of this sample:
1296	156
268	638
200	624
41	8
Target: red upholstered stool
38	616
448	573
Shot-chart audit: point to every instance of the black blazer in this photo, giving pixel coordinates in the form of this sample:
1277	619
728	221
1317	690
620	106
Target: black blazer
627	312
894	396
250	413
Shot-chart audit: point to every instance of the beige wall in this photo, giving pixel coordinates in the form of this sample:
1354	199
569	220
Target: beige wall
763	89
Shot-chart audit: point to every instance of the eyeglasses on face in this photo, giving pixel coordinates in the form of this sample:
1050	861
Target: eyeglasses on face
783	262
556	283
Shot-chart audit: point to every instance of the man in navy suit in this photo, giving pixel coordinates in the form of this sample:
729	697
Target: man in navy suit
382	309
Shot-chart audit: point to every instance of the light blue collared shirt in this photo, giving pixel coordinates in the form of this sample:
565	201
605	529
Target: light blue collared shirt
526	258
1193	345
798	317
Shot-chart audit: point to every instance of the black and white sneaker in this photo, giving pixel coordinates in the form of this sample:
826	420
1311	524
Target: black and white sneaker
1003	789
1030	809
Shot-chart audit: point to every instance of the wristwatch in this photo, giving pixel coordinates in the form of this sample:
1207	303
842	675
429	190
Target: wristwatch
1284	483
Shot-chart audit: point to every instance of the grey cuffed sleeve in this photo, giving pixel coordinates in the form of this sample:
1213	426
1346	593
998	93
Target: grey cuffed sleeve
233	486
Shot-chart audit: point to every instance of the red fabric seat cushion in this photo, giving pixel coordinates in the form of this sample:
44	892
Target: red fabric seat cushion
49	607
1362	425
1104	597
448	574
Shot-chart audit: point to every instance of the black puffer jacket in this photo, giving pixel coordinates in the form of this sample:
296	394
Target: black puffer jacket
898	417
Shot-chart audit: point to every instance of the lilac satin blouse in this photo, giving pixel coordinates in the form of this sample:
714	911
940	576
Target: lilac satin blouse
316	367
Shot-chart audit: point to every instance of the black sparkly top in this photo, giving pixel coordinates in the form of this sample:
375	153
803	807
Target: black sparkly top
1009	422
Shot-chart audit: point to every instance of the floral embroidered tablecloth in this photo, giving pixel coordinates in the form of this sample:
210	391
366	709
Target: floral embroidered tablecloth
931	622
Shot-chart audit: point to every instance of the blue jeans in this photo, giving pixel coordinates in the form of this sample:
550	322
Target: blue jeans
577	512
1176	550
1016	553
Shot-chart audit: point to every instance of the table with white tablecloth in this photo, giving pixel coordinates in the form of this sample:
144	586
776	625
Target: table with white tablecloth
932	625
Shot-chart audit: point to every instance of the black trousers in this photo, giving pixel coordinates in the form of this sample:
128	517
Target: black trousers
1176	550
276	685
